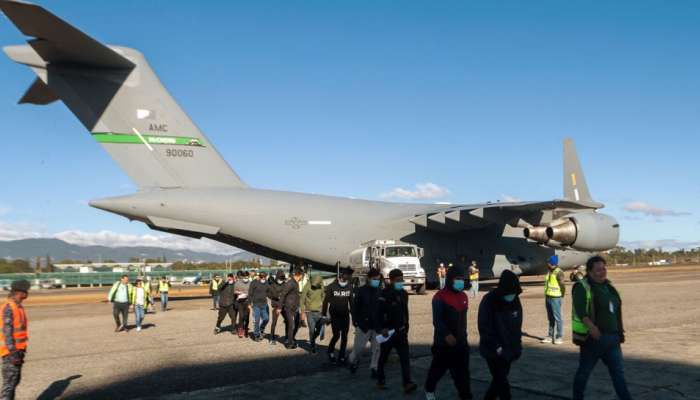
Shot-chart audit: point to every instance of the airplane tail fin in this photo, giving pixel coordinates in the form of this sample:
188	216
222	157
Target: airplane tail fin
575	187
119	99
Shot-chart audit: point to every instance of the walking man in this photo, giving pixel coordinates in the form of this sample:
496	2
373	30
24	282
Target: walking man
227	299
500	332
139	298
214	291
336	308
393	321
120	295
290	307
597	328
441	274
554	292
312	305
258	297
473	280
15	337
163	289
242	288
450	348
364	318
275	294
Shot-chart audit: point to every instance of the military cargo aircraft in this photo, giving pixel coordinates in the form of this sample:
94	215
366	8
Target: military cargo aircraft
187	188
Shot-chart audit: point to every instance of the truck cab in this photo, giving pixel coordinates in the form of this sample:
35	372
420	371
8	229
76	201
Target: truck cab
386	255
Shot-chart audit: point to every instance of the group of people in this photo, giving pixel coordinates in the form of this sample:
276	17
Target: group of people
473	277
139	296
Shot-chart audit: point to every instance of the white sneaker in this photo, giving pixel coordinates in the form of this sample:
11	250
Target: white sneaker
138	329
548	339
429	396
558	341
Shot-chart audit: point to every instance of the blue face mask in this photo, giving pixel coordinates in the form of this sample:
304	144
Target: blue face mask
509	297
398	285
458	285
374	283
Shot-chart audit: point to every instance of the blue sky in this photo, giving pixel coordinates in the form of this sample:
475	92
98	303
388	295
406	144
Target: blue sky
469	100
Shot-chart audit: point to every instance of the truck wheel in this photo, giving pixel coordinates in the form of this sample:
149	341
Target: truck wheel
420	289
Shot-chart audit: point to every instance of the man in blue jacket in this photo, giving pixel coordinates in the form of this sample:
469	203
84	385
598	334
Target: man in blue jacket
500	331
450	348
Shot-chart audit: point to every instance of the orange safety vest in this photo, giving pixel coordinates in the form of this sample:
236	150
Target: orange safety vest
19	325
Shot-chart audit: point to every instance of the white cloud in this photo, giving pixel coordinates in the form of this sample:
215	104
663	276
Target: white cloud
172	242
666	244
510	199
652	211
423	191
19	230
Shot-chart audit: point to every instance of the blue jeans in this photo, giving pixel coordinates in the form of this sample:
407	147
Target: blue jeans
260	318
312	319
215	300
163	300
474	290
139	314
607	348
554	316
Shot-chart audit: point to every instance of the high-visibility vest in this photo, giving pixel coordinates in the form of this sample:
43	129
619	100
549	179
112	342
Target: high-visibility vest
474	276
19	328
163	286
214	285
551	284
579	329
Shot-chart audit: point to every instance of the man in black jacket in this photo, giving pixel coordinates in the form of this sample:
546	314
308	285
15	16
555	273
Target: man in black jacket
500	331
275	293
336	307
364	318
450	348
227	299
393	320
290	307
258	298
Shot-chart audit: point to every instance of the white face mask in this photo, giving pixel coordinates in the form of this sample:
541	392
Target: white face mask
280	281
342	283
246	280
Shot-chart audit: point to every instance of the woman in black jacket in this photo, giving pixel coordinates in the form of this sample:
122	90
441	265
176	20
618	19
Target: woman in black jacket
500	324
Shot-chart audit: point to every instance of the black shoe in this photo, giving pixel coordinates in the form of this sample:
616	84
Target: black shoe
331	359
291	346
313	348
217	330
373	374
341	361
353	367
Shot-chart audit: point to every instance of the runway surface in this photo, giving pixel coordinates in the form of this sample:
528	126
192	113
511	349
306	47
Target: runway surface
74	352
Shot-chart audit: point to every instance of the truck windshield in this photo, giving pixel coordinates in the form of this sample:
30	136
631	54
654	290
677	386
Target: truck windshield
403	251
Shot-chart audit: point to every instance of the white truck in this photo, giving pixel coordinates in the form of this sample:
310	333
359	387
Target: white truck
386	255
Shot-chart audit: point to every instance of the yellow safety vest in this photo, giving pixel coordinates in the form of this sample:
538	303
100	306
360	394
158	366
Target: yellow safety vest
163	286
551	284
579	329
474	276
214	285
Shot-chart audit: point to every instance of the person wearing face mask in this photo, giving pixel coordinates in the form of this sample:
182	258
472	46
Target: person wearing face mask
258	298
450	348
242	288
227	298
311	305
597	328
336	308
290	307
500	330
275	294
364	318
392	318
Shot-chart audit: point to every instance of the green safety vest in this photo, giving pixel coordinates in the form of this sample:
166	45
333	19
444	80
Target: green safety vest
579	329
551	284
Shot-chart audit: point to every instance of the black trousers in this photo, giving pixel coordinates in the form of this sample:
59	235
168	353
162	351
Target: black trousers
120	309
226	310
340	323
291	319
453	359
275	316
398	341
243	314
499	388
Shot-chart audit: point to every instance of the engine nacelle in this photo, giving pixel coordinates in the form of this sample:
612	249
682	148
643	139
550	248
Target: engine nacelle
585	231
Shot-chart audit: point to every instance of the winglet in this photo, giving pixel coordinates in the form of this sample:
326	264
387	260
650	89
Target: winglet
575	187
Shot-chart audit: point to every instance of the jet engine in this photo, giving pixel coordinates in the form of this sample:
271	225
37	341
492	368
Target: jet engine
579	231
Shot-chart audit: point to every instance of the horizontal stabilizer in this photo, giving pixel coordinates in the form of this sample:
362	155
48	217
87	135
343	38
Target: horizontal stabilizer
57	42
39	93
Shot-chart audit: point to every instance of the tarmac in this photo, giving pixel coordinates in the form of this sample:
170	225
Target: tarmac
75	354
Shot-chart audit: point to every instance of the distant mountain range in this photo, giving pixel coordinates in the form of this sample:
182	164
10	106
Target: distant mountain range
59	250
